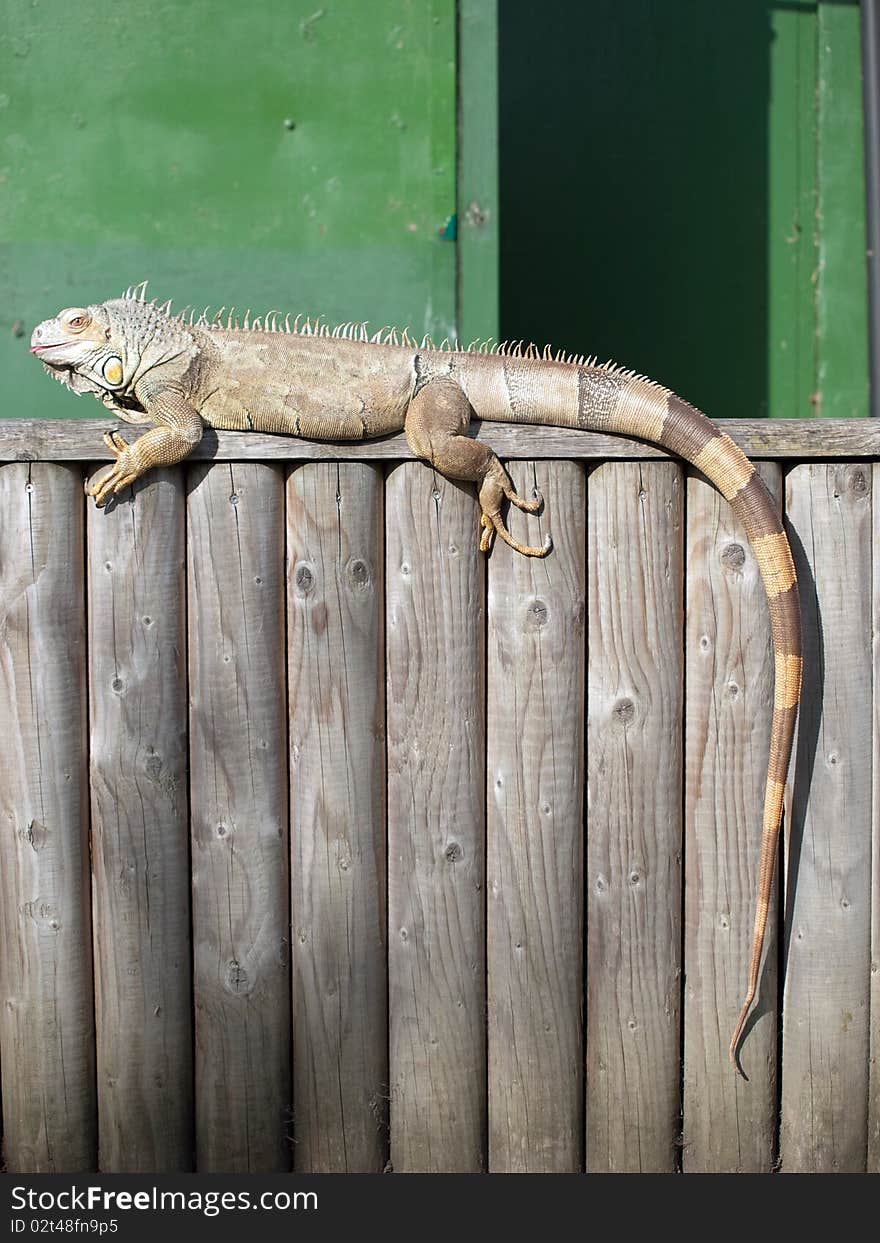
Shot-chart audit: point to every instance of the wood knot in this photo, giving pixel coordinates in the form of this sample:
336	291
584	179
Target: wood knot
856	481
453	852
359	576
36	835
236	979
624	712
537	614
303	578
734	557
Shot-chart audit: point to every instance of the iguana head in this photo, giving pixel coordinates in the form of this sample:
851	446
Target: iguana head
76	346
108	348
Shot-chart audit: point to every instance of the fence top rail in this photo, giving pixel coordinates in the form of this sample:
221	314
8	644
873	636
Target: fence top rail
79	440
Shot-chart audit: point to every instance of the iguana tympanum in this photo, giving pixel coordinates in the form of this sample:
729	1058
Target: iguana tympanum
177	374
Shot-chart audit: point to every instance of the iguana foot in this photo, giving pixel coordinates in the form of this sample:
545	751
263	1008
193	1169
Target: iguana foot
116	477
165	445
496	484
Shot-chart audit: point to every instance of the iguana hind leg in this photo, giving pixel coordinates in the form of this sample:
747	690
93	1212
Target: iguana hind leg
436	422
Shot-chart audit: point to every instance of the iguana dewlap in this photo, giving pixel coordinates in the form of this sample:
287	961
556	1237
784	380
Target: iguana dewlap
155	368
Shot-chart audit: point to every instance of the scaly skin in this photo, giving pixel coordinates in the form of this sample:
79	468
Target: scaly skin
152	367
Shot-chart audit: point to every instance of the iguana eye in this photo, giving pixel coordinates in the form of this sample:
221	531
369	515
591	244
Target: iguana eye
76	320
112	370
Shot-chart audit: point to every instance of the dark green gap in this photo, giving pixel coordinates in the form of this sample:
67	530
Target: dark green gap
634	197
682	190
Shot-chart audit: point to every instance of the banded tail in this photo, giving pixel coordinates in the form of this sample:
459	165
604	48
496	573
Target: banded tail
646	410
608	399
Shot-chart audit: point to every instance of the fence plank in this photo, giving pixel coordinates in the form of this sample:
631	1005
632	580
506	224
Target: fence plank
337	782
140	829
828	902
435	588
634	749
535	833
239	817
46	1016
729	1124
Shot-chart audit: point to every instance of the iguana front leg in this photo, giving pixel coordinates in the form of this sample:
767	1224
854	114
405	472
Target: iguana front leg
436	422
179	430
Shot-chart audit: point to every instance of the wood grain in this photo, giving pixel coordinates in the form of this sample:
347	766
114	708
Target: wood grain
140	828
634	800
828	899
535	832
46	1009
729	1124
337	783
238	764
435	618
80	440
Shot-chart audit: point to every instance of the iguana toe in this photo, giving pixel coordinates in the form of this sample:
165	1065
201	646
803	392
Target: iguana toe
493	522
113	479
115	443
528	507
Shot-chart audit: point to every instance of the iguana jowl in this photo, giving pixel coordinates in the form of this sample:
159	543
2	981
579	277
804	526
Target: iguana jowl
150	366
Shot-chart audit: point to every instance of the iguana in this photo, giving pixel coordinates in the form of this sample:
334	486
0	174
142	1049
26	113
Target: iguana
177	374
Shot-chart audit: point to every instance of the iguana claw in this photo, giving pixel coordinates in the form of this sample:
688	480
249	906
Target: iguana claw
113	478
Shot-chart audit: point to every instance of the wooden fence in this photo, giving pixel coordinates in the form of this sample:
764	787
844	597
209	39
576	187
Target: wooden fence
328	844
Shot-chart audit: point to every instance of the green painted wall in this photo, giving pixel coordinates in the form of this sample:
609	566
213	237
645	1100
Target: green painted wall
681	183
682	190
287	154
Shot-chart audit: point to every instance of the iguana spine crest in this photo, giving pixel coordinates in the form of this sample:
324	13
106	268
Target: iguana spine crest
358	330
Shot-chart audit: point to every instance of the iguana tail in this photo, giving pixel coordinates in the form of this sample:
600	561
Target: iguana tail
607	399
641	408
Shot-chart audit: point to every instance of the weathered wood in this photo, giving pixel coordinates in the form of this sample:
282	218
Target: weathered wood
634	745
874	1039
439	991
435	591
46	1008
535	832
828	899
80	440
337	817
238	785
729	1125
140	829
